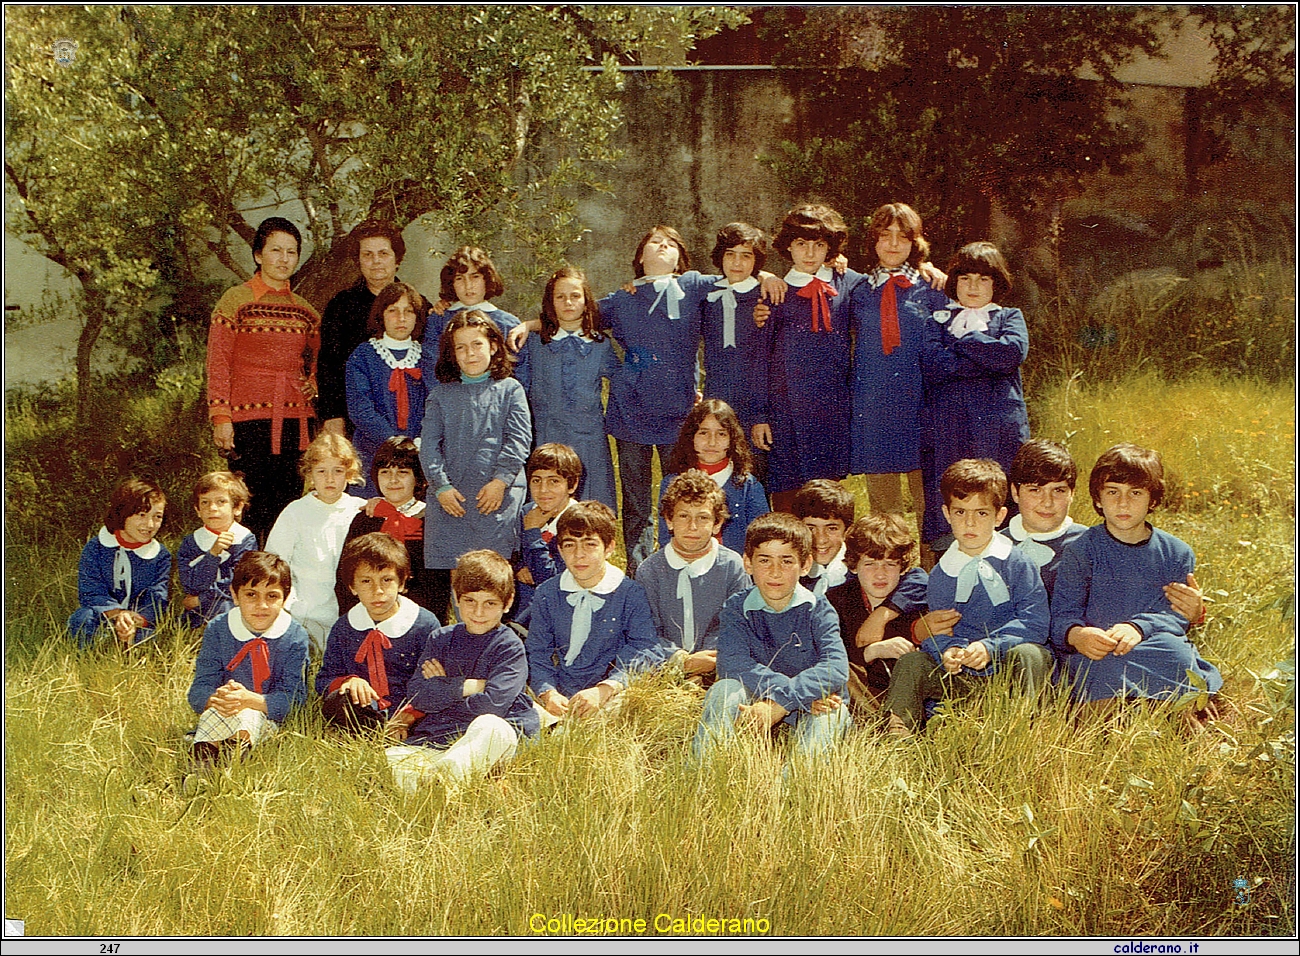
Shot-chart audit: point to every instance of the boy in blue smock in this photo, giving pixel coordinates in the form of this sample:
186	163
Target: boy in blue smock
988	604
554	472
591	628
780	658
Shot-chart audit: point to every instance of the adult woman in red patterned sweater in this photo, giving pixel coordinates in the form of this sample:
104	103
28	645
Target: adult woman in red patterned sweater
262	347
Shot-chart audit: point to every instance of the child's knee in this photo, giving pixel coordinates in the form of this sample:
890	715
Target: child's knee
1031	665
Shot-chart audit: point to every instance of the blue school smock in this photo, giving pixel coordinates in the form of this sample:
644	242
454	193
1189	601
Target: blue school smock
976	403
372	406
887	389
406	633
1102	581
286	649
563	380
474	432
728	369
1045	549
505	321
802	379
207	576
654	388
143	588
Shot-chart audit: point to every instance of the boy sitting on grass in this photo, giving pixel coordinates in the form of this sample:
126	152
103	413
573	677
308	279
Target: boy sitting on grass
553	472
371	650
591	626
989	607
827	508
780	657
468	697
878	605
1112	621
687	581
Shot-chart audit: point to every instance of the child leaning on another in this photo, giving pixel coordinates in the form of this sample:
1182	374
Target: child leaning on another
591	628
249	673
780	657
207	558
468	705
688	580
309	532
1112	621
372	649
124	571
554	473
988	605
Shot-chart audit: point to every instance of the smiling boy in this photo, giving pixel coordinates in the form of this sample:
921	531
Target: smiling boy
591	627
780	658
207	558
988	604
827	508
554	472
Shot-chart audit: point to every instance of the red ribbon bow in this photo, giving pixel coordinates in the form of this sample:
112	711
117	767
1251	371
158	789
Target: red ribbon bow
255	651
819	292
397	384
890	337
371	653
397	525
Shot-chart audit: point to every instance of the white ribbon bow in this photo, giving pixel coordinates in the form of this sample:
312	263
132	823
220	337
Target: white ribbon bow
669	292
977	569
971	320
1036	551
584	604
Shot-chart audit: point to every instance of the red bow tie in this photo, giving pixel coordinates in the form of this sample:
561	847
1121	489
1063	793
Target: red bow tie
255	651
890	337
819	292
371	653
397	383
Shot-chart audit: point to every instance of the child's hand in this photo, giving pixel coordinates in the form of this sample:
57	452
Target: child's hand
1186	599
191	603
517	336
825	705
774	289
760	716
359	689
222	544
307	385
931	274
1126	637
535	519
124	628
439	307
629	287
935	623
761	312
1092	642
840	263
472	686
399	725
952	659
890	649
701	662
433	668
761	436
524	576
490	495
555	703
232	697
976	656
587	703
451	502
371	505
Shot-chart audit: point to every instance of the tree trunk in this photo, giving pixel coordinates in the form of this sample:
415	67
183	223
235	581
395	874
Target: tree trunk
95	312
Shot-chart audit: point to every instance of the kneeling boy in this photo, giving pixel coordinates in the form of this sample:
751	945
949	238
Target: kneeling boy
988	605
780	657
371	650
687	581
591	627
468	695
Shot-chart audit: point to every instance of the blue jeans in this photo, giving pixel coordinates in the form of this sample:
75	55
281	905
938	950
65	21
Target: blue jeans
634	464
813	735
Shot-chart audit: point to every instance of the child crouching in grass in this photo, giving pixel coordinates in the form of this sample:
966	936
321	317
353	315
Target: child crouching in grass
249	673
467	697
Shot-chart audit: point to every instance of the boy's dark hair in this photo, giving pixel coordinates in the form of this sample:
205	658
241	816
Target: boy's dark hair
974	476
275	224
587	518
390	294
377	549
1040	462
464	259
329	445
812	221
561	459
980	258
1128	464
738	234
909	221
399	452
130	498
229	482
825	499
591	308
683	258
683	457
261	567
779	526
379	229
880	537
693	487
502	364
484	570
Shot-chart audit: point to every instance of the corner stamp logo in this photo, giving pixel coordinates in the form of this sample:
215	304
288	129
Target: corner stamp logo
65	51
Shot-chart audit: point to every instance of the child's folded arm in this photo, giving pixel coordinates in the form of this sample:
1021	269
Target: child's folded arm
431	458
910	596
209	672
362	410
506	676
537	555
736	659
1069	597
1031	622
540	646
288	687
978	353
151	601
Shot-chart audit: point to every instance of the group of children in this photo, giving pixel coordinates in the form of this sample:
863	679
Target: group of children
787	618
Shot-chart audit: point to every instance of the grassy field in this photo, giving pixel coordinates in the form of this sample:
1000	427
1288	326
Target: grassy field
998	821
